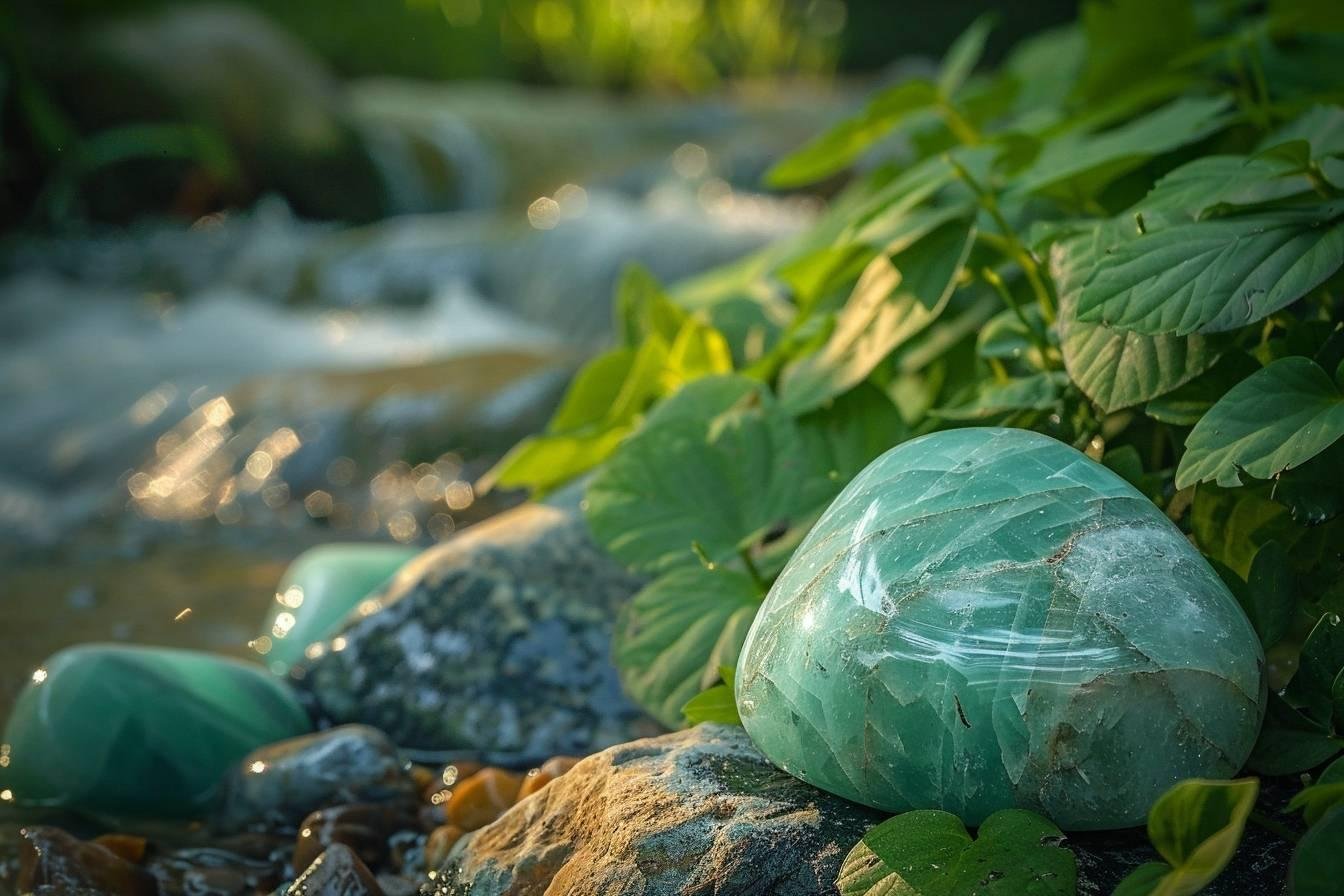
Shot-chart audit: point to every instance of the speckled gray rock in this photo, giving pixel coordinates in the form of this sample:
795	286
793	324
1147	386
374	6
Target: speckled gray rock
277	785
694	813
497	642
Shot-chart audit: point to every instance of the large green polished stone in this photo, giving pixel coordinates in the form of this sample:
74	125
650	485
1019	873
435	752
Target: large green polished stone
987	618
318	591
139	730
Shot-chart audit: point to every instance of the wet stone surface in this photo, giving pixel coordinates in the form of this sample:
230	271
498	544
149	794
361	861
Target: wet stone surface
275	786
497	642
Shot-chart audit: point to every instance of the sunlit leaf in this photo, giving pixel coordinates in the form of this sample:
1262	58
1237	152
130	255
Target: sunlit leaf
1276	419
838	148
714	705
894	300
717	464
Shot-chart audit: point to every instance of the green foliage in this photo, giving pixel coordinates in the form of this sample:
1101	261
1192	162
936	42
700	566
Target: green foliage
716	704
1195	826
929	853
1127	238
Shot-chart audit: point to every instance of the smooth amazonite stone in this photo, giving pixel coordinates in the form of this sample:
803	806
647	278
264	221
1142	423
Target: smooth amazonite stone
986	618
319	590
139	730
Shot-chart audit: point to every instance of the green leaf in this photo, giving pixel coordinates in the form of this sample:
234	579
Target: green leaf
1185	405
1290	742
851	433
1271	594
1116	368
1196	827
839	147
894	300
964	55
1125	41
1314	870
1007	338
1187	193
717	463
1038	392
1232	525
546	461
1322	658
1076	167
667	638
1276	419
643	308
593	391
1215	275
1314	492
714	705
928	852
698	350
1325	793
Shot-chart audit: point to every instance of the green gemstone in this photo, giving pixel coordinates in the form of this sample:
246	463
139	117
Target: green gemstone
986	618
319	590
139	730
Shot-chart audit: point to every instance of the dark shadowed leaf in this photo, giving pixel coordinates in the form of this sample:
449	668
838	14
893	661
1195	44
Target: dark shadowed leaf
1314	870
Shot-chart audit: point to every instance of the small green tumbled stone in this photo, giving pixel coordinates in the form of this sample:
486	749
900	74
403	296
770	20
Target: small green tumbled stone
986	618
139	730
319	590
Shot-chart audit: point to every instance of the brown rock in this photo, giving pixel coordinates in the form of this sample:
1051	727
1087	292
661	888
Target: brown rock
482	798
364	827
548	772
128	846
336	871
49	857
695	813
440	843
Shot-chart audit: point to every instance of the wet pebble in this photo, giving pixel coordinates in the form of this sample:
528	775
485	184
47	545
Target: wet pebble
50	860
336	871
367	828
277	786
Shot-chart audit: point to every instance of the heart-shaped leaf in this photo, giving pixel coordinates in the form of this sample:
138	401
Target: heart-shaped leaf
928	852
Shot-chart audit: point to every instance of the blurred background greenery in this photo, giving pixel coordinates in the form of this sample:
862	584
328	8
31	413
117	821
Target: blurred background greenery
113	108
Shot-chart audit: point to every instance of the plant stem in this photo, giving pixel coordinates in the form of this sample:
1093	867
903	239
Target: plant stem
992	277
1013	247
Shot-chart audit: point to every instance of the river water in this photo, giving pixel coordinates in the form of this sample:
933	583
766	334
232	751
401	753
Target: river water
187	405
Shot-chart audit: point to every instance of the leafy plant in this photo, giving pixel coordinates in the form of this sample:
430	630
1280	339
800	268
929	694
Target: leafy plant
1127	238
928	852
1196	827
